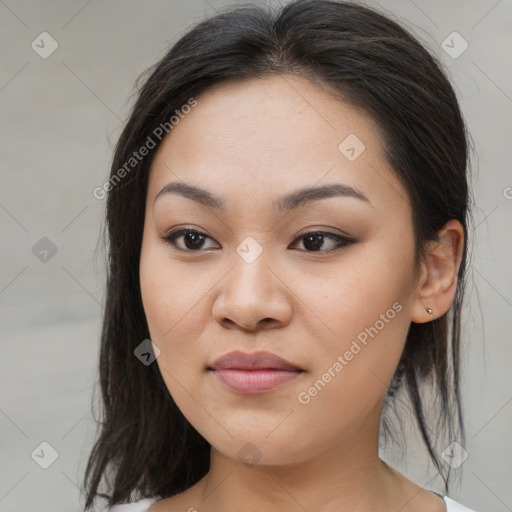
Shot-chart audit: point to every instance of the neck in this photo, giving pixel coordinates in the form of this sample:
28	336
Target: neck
349	476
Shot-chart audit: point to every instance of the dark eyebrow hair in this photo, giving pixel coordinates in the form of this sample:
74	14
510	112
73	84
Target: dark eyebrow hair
284	204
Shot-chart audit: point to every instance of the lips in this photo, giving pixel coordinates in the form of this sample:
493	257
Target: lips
254	373
238	360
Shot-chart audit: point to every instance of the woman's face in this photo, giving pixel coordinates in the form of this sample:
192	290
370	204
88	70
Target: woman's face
256	282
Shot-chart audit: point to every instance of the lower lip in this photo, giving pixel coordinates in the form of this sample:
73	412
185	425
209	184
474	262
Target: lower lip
254	381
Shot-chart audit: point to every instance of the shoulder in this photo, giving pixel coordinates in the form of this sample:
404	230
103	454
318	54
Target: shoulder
137	506
144	504
453	506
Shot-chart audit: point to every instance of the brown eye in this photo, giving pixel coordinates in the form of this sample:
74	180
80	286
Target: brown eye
314	241
192	240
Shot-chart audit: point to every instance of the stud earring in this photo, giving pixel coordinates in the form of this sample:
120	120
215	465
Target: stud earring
429	311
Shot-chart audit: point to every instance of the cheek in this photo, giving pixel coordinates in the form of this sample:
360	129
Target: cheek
176	308
168	292
365	316
165	307
352	370
358	293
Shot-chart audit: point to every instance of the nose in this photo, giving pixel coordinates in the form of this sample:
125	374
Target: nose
253	297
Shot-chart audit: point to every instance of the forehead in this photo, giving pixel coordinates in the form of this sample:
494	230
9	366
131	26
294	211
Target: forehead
273	134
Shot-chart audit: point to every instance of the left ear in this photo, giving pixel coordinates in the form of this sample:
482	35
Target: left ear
437	283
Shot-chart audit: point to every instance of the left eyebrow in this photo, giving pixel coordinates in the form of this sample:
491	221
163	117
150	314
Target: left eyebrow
306	195
284	204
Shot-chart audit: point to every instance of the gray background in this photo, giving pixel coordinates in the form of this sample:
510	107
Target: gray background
60	118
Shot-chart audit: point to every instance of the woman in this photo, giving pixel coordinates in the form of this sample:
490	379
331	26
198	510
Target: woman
287	221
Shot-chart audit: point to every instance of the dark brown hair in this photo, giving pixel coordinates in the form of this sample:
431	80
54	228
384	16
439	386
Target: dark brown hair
145	446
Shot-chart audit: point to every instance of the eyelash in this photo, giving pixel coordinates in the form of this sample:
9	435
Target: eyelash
343	241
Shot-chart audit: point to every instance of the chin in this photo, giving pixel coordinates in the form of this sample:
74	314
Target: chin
260	449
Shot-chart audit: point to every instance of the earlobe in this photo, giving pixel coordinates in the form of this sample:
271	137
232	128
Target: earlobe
437	285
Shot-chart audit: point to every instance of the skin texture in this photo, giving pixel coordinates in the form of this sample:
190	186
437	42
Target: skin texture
250	143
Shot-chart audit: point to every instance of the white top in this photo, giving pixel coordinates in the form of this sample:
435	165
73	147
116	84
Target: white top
144	504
